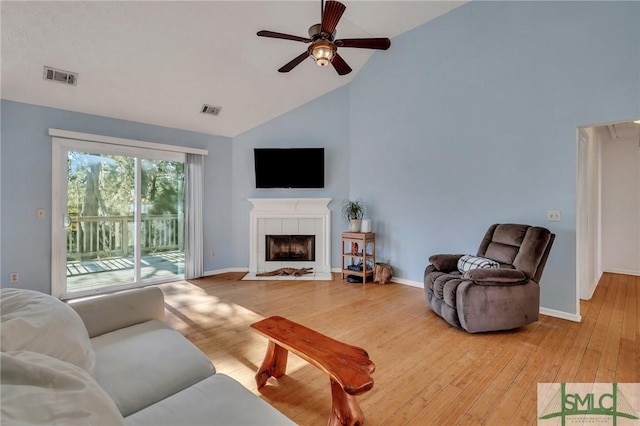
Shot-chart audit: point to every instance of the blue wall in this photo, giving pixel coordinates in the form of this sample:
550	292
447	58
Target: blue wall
26	185
466	121
471	120
323	122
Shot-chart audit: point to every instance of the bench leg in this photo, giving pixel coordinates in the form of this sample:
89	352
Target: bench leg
345	409
274	364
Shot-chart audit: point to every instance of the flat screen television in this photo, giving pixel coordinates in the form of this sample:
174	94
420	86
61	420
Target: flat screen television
289	167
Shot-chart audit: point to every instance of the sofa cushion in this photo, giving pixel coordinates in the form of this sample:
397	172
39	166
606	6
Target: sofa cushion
38	389
142	364
502	242
533	250
38	322
468	262
216	400
119	310
511	234
495	276
445	262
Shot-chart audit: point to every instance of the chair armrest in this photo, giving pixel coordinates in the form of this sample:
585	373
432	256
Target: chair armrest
445	262
488	276
115	311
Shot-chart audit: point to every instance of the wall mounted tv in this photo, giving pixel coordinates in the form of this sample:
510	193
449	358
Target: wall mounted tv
289	167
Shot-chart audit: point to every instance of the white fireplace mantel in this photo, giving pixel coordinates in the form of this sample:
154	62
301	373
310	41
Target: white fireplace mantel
283	214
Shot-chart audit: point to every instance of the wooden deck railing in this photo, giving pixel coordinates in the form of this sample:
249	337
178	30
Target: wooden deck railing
91	237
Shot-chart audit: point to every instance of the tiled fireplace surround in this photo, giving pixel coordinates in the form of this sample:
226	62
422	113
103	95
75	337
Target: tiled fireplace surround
289	216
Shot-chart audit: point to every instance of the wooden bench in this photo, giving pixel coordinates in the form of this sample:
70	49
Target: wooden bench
349	367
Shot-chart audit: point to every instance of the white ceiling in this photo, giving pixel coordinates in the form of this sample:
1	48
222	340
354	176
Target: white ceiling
158	62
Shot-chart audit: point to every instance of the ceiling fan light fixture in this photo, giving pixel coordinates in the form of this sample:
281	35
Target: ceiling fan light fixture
323	52
323	45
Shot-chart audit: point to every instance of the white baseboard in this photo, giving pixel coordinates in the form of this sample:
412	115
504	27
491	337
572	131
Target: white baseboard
593	287
561	314
611	271
622	272
591	291
407	282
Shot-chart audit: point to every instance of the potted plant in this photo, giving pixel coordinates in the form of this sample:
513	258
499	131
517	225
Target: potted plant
352	213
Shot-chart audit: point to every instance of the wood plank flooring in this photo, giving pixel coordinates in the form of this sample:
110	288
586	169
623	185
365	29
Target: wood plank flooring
426	371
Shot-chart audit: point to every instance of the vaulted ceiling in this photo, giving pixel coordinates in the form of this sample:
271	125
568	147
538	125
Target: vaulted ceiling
159	62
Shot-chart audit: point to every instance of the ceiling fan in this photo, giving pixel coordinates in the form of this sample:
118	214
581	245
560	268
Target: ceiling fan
324	46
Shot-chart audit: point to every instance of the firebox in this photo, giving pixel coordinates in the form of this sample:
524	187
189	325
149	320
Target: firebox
290	248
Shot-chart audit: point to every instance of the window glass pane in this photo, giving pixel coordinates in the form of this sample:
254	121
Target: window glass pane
100	208
101	233
162	208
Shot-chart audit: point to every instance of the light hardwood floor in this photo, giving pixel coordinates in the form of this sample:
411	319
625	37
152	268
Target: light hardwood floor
426	371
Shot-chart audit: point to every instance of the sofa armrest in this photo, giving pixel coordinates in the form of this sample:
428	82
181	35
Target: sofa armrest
115	311
488	276
445	262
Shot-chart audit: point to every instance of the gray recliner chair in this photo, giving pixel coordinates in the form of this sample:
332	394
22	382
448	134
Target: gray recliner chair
482	299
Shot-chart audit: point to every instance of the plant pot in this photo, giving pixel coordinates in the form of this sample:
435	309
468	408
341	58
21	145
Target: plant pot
354	225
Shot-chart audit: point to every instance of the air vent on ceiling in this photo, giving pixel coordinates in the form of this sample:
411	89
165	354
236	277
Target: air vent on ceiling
66	77
210	109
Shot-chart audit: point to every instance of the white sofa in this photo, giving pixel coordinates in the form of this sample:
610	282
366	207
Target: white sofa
111	360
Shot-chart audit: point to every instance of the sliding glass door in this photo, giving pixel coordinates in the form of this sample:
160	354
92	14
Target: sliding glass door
118	217
162	219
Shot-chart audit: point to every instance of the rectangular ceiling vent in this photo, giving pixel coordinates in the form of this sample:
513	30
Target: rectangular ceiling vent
210	109
66	77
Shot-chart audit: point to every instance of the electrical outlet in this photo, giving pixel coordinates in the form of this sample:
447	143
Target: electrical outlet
554	216
14	277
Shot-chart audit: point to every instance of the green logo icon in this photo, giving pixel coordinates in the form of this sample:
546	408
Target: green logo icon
566	404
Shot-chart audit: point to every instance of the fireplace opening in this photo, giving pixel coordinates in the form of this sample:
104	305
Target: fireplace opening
291	248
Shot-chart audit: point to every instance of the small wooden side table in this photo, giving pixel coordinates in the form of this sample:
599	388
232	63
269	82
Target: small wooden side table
366	253
348	367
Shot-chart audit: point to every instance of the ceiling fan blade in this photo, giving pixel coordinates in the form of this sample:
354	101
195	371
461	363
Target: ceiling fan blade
340	65
333	11
272	34
365	43
294	63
